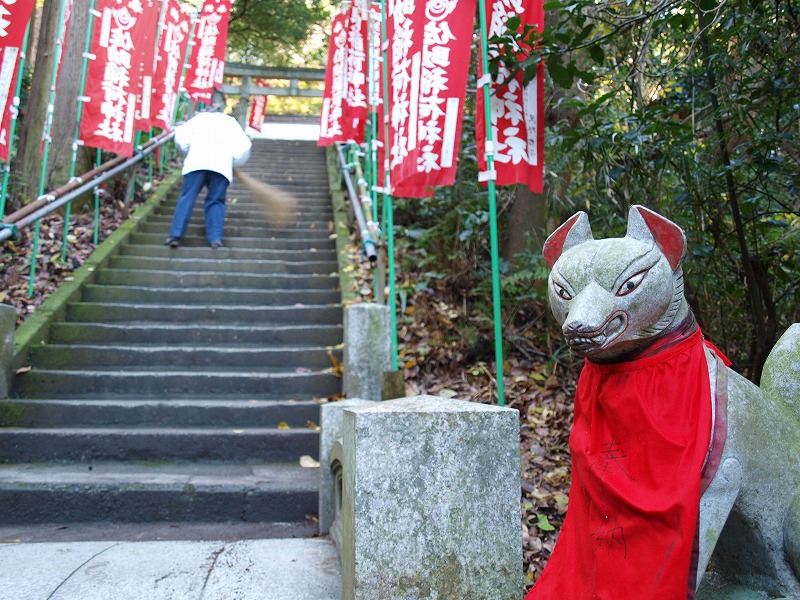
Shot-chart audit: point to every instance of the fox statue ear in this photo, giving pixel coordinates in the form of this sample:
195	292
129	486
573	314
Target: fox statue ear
576	230
648	226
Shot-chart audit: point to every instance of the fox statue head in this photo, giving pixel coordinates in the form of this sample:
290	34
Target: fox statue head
616	296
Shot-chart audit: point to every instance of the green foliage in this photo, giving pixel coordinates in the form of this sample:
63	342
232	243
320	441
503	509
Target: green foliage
279	33
694	113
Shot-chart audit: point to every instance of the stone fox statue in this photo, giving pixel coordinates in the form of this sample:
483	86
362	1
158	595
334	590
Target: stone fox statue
668	444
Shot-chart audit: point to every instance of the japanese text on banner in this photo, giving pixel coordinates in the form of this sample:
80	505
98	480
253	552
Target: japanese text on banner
207	62
517	110
112	79
172	46
429	57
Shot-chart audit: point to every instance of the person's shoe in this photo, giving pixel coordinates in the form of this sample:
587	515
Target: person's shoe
216	244
172	242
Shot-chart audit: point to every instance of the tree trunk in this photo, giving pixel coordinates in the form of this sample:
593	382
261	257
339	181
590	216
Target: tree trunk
526	223
64	124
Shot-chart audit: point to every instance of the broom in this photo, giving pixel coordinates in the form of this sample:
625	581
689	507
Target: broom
278	204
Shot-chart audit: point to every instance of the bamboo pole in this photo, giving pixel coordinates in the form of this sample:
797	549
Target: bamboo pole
498	333
387	195
47	130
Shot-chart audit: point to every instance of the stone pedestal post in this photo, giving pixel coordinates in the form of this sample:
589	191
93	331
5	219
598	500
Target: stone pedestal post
367	350
431	501
8	324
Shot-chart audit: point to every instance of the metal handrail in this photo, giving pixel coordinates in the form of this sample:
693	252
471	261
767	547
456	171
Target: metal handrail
47	203
368	243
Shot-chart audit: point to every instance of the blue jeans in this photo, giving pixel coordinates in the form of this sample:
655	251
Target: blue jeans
193	183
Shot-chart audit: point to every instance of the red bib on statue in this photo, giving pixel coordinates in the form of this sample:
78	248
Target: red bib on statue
640	438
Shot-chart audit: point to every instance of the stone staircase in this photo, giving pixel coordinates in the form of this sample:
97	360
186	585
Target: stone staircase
184	385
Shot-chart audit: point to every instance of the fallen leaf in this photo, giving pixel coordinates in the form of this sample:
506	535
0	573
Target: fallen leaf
307	462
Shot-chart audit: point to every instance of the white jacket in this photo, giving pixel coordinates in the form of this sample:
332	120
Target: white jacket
213	141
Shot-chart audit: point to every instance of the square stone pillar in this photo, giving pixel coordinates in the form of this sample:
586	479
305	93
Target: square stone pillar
330	434
367	350
8	326
431	501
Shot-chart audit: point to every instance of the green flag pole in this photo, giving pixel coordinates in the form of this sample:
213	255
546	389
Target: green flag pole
498	333
47	130
12	128
387	195
97	193
78	114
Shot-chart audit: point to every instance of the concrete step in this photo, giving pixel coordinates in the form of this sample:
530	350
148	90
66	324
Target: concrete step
193	279
319	231
104	356
195	334
229	253
196	241
312	213
102	312
150	492
53	383
178	262
204	296
18	445
164	412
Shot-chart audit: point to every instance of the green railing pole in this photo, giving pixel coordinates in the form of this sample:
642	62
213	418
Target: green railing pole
78	114
498	333
97	193
47	130
387	195
12	128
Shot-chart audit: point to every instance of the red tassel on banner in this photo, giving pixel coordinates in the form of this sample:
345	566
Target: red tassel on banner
517	110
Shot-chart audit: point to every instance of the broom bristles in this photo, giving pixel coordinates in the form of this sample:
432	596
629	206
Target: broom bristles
278	204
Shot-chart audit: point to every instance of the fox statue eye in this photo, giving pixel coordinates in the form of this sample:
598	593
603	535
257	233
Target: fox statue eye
562	292
631	283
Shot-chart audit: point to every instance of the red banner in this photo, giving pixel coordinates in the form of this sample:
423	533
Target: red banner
517	111
429	55
14	19
112	78
356	95
146	63
258	108
207	62
172	45
335	95
376	101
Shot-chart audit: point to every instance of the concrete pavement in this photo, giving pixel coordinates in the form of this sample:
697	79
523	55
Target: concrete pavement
265	569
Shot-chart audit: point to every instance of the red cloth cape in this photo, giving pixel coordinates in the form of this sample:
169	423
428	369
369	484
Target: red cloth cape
639	440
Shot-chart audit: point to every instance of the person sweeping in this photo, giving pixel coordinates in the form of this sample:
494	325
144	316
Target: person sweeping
214	143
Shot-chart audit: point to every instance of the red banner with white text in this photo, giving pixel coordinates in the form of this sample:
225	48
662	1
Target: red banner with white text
517	110
356	95
429	55
171	55
146	63
112	79
207	62
14	19
334	99
258	108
